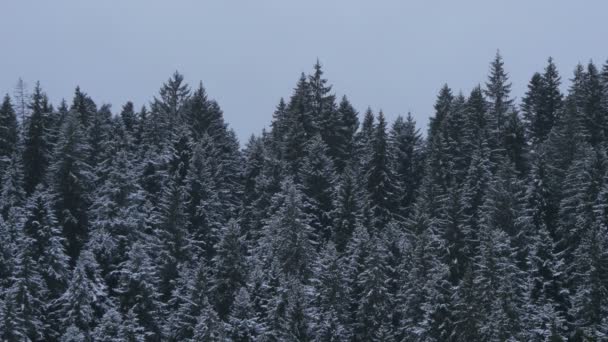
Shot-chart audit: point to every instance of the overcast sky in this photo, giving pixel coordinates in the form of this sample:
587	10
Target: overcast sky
390	55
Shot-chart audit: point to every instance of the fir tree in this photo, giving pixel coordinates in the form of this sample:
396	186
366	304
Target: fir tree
36	148
128	117
243	325
8	130
498	90
71	178
318	179
138	293
380	179
229	268
407	160
288	234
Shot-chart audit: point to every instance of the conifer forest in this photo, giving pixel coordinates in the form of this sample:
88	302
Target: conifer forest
333	224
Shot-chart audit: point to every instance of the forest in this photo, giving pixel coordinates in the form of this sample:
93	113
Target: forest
157	224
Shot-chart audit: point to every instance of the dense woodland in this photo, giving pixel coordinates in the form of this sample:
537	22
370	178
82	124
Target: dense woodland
155	224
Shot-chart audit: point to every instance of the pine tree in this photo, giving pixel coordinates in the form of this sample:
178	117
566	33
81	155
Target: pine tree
188	300
8	130
372	310
498	90
279	125
348	206
47	244
138	293
21	96
12	193
229	268
128	117
174	95
83	107
172	236
26	298
71	178
288	235
36	148
318	180
344	148
209	327
330	297
515	142
243	325
442	109
407	160
589	99
590	278
300	124
131	330
542	103
476	120
82	303
379	178
109	327
202	207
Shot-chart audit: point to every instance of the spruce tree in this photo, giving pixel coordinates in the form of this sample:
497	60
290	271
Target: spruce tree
47	243
71	180
318	181
348	206
138	293
8	130
36	147
229	268
243	325
380	180
498	90
288	235
407	160
542	103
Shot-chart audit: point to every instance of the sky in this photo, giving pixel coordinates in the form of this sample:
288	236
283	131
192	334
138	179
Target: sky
389	55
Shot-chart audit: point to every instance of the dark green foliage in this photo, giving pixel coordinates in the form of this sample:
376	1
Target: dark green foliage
8	130
155	225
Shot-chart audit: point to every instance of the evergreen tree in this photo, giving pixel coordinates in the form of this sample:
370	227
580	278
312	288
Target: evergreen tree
36	148
71	178
82	303
128	116
8	130
167	109
209	327
542	103
288	235
202	208
229	269
330	299
498	90
407	160
83	107
12	194
243	325
188	301
343	148
26	298
171	234
347	213
47	243
372	310
138	293
380	179
318	180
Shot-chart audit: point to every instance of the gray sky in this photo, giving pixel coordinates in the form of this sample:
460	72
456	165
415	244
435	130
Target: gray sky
393	55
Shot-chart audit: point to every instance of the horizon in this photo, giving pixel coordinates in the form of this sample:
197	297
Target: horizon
393	57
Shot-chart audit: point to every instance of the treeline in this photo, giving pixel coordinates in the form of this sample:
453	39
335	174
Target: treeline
154	224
